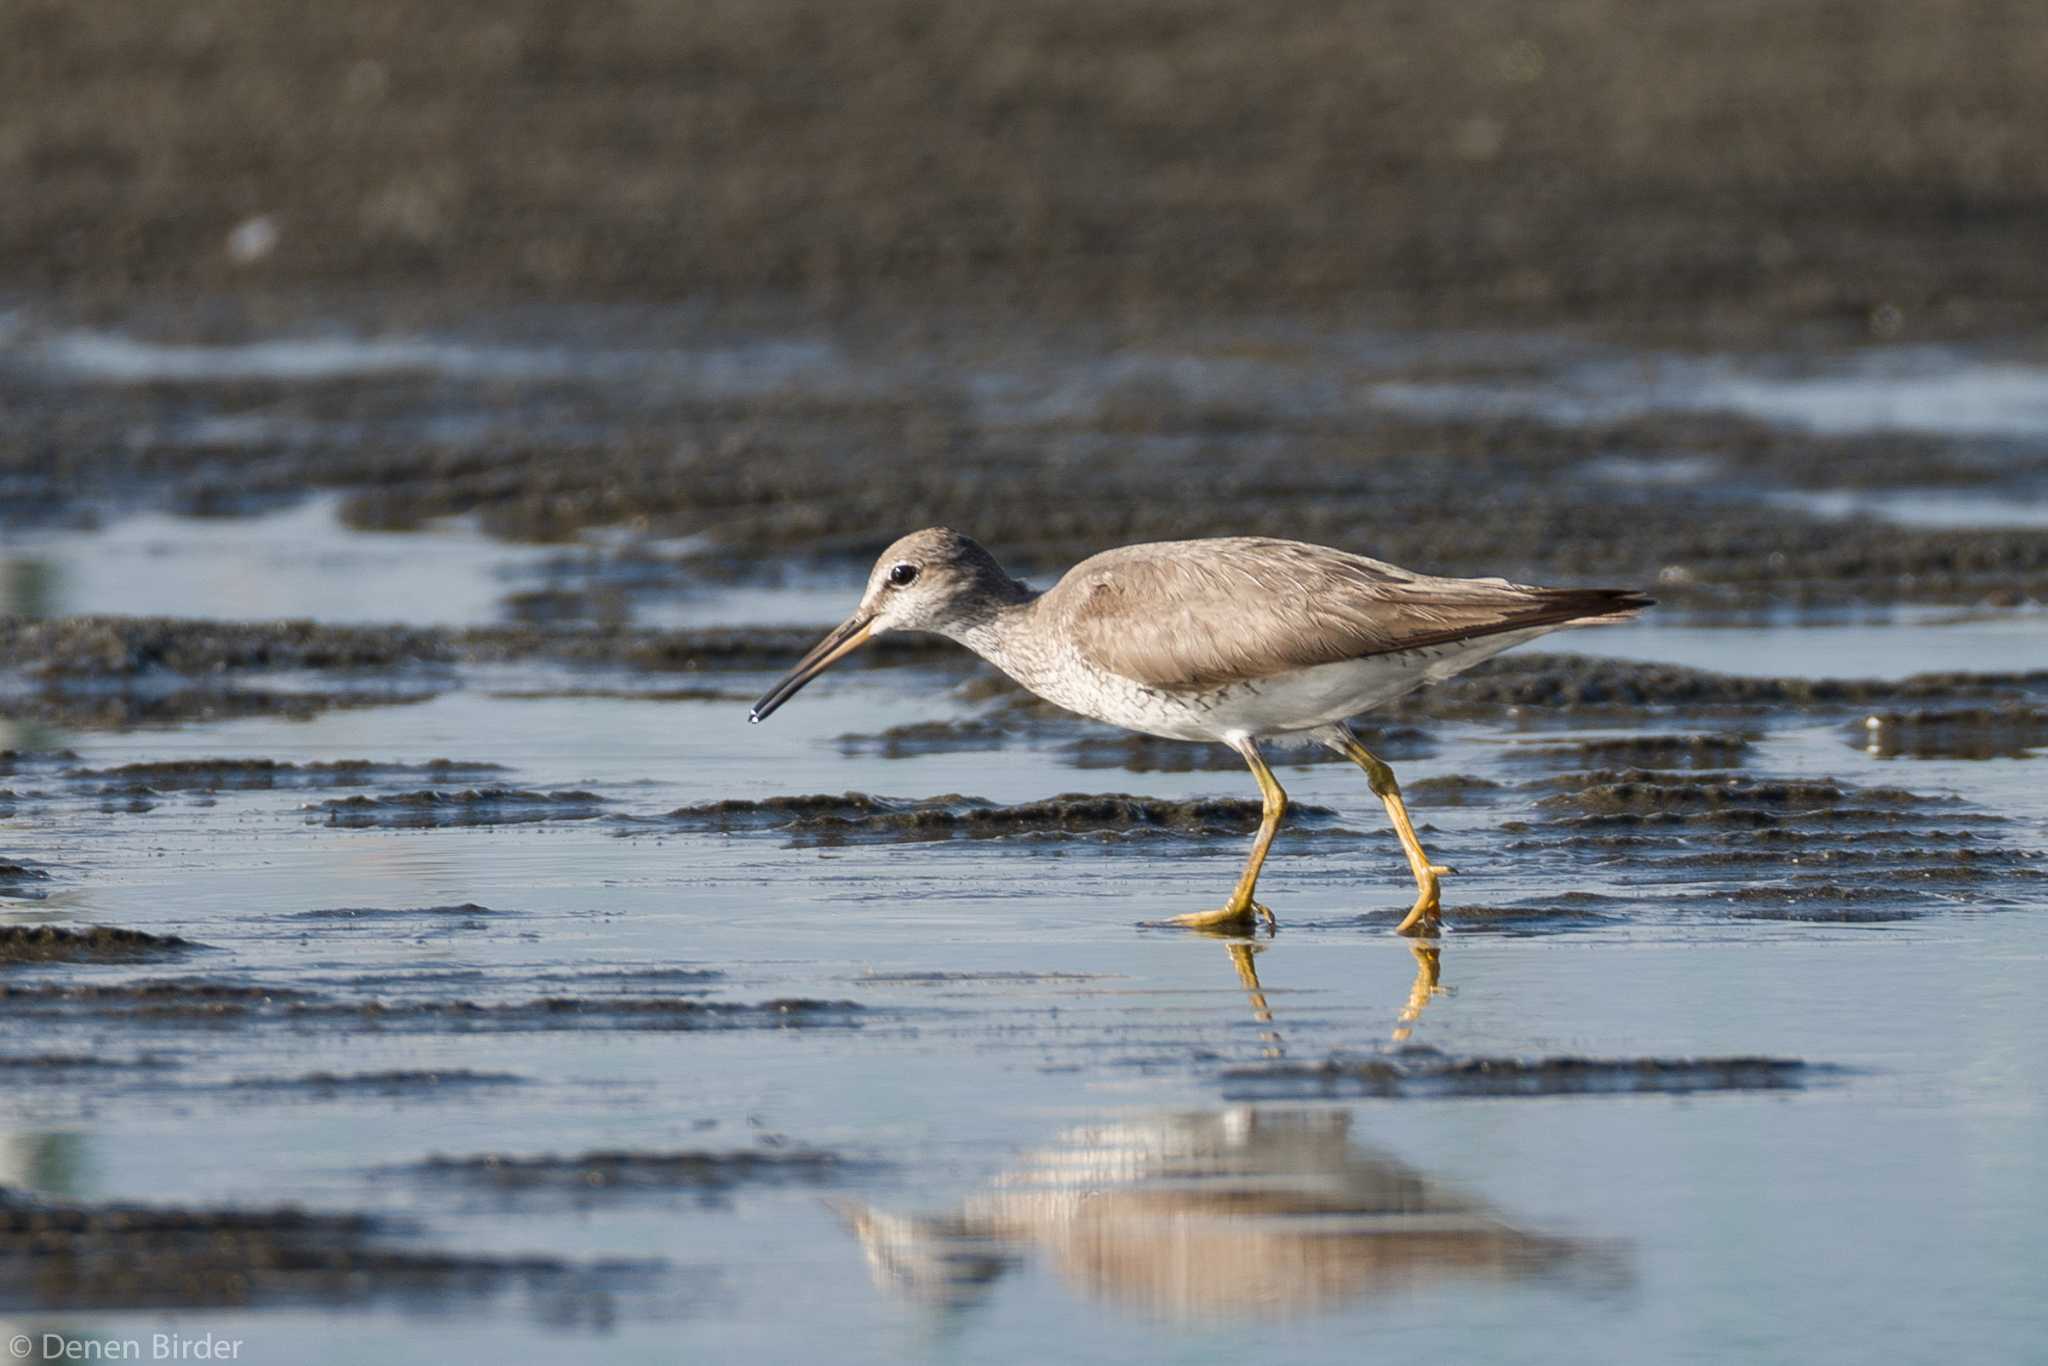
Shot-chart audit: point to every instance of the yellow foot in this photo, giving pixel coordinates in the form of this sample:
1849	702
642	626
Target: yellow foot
1224	918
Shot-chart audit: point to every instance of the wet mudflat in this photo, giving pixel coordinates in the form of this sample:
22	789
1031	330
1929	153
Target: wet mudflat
461	959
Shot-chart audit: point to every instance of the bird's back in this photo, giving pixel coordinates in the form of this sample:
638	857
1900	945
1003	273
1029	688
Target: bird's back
1193	615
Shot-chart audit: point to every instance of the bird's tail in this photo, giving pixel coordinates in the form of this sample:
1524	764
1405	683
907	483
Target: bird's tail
1602	606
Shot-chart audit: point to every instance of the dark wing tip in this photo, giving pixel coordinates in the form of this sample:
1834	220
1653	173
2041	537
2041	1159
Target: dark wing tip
1600	602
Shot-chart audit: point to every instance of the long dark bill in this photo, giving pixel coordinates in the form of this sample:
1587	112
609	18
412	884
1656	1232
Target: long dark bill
850	636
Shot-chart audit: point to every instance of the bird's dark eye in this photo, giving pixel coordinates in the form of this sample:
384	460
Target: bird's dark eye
902	575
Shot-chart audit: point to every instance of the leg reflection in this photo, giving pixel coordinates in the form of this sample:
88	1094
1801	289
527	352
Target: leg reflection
1241	957
1428	976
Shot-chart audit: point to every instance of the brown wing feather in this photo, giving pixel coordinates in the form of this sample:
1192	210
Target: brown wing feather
1193	614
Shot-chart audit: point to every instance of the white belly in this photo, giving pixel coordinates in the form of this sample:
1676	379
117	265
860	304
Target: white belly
1300	701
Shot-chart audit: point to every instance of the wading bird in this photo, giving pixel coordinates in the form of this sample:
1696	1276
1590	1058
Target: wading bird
1236	640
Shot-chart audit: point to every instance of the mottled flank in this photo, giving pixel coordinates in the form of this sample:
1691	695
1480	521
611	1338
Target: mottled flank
96	944
1421	1072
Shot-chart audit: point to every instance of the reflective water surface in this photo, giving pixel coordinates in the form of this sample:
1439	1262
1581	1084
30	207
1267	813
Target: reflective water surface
1733	1046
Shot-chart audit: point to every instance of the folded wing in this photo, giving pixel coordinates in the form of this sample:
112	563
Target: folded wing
1195	614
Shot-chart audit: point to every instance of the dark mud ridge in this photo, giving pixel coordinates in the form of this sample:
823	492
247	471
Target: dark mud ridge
1540	915
171	1002
1629	793
1641	751
96	944
1425	1073
172	701
1150	754
1453	789
165	1001
57	1256
237	775
391	1083
19	879
856	815
107	647
594	1172
553	1013
1820	850
417	922
90	673
433	808
1582	683
26	1067
1091	745
464	911
2013	730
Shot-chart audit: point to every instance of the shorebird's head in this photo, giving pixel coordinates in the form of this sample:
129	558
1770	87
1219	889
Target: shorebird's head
932	580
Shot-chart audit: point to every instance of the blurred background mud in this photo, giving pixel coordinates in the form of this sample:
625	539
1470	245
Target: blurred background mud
1743	169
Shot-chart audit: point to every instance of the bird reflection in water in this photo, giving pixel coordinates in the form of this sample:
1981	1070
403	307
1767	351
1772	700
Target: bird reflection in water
1245	1211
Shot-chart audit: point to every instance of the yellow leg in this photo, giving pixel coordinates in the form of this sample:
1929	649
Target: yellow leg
1428	909
1241	908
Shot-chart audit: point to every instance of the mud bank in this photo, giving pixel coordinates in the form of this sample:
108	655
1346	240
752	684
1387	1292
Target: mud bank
1607	165
58	1256
98	944
856	815
430	808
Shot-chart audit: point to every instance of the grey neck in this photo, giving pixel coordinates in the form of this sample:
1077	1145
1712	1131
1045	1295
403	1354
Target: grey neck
999	634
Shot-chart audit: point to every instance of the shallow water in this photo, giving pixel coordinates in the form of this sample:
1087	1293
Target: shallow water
1050	1127
1913	389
